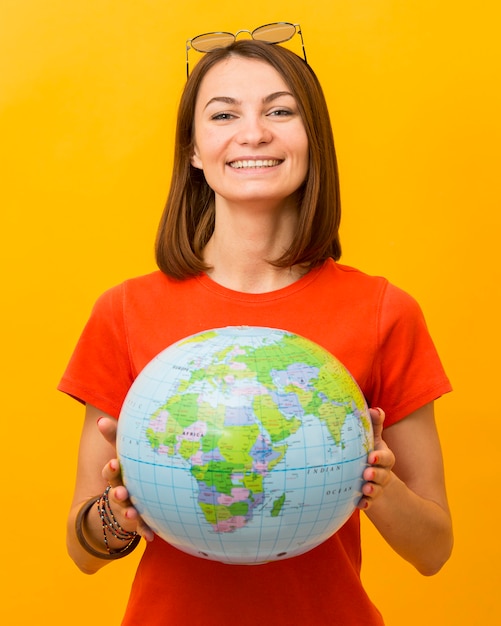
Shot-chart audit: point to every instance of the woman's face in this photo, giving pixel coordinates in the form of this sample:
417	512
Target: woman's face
249	137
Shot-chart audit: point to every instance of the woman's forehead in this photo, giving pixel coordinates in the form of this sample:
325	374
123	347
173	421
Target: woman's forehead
238	75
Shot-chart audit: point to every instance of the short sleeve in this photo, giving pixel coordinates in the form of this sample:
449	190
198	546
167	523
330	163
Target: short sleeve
407	371
99	372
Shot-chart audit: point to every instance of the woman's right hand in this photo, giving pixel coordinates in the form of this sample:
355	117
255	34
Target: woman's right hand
123	510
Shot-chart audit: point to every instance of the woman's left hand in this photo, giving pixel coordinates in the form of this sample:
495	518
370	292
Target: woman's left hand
380	463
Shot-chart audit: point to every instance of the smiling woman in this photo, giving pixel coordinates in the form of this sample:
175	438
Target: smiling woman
188	221
249	236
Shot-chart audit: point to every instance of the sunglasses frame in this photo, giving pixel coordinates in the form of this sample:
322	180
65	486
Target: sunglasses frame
233	36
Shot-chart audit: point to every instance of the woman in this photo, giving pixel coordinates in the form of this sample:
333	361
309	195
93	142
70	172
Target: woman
250	236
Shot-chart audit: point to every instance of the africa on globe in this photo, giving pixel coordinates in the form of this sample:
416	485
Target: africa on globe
244	444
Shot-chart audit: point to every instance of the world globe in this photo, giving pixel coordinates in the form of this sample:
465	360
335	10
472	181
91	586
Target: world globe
244	444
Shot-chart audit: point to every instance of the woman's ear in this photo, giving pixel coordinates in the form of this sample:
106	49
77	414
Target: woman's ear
195	159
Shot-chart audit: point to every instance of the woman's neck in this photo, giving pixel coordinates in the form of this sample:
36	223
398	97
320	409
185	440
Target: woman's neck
241	247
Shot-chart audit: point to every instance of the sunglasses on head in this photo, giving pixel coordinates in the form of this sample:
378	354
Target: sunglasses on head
277	32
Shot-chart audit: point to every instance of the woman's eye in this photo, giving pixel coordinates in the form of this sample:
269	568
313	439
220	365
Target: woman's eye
281	112
221	116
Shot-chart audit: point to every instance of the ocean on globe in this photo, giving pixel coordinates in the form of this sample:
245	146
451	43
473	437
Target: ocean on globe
244	444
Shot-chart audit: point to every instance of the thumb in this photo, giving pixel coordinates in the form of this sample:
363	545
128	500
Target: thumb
108	428
377	418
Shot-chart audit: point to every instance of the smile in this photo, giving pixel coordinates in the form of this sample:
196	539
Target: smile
257	163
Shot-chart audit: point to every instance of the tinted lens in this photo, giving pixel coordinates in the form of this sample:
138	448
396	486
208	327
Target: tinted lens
211	41
274	33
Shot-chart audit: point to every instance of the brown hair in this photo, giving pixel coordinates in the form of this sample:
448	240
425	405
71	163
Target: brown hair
187	222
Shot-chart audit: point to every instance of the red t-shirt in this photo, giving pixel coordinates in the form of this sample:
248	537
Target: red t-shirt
374	328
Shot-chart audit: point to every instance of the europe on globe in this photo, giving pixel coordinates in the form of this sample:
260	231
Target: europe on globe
244	444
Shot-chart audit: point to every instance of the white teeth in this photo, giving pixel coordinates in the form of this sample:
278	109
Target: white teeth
257	163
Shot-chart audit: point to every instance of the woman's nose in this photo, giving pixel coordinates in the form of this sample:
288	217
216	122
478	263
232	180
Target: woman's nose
254	130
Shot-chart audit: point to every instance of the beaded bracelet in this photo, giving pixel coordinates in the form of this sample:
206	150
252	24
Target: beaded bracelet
109	523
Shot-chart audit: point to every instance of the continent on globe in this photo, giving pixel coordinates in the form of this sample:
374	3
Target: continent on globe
244	444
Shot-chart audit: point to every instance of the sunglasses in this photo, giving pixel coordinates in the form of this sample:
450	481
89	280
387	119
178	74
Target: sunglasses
277	32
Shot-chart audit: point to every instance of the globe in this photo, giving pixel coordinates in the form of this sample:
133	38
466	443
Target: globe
244	444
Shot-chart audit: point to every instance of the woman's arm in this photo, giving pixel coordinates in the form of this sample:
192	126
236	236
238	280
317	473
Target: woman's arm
98	468
405	496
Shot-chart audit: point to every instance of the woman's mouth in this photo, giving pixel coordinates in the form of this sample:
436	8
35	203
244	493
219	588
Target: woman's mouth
254	163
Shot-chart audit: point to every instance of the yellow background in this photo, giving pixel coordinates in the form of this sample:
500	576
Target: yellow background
88	93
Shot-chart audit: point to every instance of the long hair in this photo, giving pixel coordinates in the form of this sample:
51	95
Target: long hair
187	222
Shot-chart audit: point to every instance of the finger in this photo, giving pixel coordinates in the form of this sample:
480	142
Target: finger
120	493
383	459
363	504
108	428
111	473
377	418
370	491
144	530
130	513
374	458
369	475
376	475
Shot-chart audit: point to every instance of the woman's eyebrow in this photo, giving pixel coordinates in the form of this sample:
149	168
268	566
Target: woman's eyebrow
266	99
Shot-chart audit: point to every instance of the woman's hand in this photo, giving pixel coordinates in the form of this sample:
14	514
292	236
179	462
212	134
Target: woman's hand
123	510
380	461
405	490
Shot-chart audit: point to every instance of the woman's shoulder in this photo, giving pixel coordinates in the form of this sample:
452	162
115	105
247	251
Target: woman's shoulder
353	282
356	278
142	285
146	282
136	290
350	273
373	293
